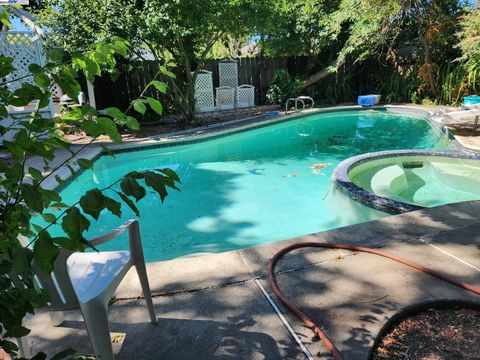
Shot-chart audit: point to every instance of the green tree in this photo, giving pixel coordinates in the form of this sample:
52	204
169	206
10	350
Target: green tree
469	36
23	199
185	30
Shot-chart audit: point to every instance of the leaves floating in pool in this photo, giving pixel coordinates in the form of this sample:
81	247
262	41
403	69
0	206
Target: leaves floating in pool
412	164
319	166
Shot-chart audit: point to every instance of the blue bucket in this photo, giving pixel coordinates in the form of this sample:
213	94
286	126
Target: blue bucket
471	100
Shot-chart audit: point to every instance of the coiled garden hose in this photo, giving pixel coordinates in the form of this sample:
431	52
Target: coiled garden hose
308	322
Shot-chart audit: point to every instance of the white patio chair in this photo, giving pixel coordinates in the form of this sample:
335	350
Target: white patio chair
462	117
87	281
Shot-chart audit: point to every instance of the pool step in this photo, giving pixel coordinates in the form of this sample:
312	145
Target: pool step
389	182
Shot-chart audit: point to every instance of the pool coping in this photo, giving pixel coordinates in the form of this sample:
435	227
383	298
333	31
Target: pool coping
343	182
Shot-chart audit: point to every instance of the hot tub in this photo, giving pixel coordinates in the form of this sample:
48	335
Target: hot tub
400	181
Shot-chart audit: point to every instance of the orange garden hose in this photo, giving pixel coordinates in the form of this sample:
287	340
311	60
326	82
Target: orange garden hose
310	324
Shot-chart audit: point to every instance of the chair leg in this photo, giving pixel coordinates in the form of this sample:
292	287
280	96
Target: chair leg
142	276
23	347
56	318
96	320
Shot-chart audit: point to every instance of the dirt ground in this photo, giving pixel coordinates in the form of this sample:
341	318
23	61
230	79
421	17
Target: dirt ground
433	335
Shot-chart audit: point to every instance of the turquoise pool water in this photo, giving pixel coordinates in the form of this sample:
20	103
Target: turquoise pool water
255	187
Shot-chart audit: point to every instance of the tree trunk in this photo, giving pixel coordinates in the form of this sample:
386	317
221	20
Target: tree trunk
429	67
312	79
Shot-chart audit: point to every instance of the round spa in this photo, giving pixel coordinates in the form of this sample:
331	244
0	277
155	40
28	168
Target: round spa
400	181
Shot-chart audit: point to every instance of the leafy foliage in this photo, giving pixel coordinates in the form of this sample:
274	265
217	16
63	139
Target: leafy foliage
185	30
282	88
23	196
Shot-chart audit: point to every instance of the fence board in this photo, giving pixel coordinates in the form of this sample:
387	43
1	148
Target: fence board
257	71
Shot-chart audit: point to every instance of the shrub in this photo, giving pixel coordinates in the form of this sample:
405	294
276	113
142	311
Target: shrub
282	88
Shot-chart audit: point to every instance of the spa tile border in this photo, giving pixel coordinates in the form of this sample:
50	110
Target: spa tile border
343	182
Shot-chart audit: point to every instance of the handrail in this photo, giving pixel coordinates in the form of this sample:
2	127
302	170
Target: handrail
303	97
298	99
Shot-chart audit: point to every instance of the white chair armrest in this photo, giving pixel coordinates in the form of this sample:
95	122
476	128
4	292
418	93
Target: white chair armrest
113	234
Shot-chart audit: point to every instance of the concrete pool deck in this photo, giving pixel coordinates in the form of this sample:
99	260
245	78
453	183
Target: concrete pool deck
213	306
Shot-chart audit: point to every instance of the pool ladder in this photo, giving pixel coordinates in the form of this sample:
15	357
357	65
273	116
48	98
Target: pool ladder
297	100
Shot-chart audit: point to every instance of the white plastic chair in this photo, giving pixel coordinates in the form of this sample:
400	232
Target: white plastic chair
88	280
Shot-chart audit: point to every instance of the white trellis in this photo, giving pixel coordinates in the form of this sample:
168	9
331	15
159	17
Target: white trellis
225	99
245	96
25	48
228	73
204	91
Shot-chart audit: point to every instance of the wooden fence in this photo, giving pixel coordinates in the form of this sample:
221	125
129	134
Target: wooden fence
256	71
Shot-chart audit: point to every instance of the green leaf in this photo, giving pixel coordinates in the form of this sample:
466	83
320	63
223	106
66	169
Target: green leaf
67	83
166	72
74	223
6	64
109	127
85	163
3	111
131	187
114	112
8	346
32	197
155	105
113	206
49	217
93	202
49	196
132	123
139	106
39	356
45	252
91	128
129	203
58	205
21	261
92	69
37	228
65	354
69	244
171	174
35	69
160	86
56	54
35	174
42	80
155	181
26	94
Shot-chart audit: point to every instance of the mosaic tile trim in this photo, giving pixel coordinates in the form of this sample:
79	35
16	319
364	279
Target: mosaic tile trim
343	183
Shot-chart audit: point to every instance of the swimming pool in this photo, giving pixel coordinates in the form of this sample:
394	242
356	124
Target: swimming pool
254	187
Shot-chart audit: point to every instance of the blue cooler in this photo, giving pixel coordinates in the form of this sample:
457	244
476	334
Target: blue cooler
368	100
471	101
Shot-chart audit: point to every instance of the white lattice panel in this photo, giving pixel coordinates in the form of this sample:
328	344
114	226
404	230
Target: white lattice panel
245	96
56	91
204	92
228	73
24	47
225	98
